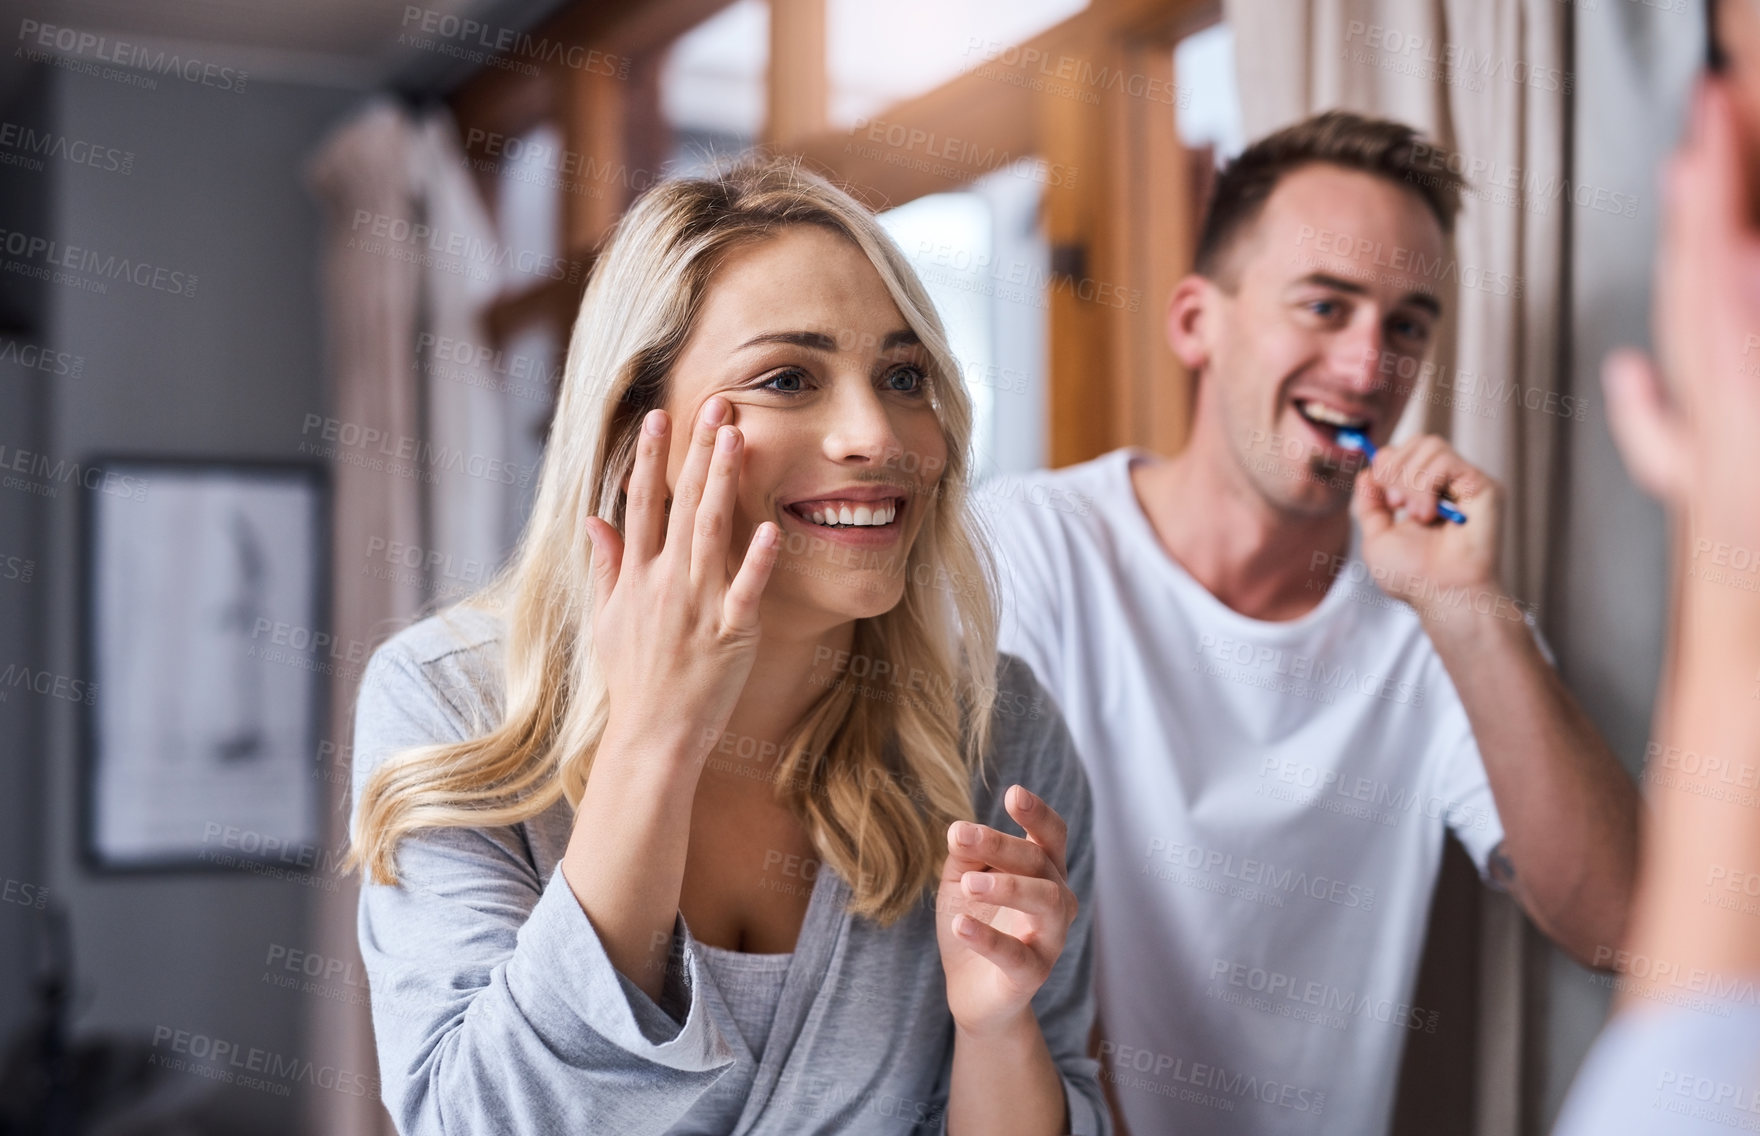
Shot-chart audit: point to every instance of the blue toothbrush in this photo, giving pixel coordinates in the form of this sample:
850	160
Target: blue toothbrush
1359	441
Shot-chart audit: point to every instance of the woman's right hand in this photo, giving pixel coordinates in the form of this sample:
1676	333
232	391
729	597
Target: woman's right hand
1690	441
675	633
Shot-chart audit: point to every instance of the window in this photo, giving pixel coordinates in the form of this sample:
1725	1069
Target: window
878	54
712	83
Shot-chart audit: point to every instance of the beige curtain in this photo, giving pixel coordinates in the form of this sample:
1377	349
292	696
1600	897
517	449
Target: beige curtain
411	261
474	494
1490	82
363	173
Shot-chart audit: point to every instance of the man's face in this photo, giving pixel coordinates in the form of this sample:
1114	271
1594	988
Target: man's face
1335	305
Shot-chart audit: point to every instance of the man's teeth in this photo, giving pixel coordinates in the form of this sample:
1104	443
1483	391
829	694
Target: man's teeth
1320	412
853	513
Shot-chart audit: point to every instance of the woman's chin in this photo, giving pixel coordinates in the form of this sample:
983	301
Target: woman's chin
836	595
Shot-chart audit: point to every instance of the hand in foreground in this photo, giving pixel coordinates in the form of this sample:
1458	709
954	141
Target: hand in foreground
1002	913
1694	447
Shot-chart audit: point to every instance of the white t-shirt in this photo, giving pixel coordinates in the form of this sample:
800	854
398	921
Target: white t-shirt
1270	805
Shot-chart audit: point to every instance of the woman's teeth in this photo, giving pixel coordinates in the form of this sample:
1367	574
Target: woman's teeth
850	513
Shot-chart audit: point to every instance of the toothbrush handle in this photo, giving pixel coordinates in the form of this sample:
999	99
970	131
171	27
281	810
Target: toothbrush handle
1444	507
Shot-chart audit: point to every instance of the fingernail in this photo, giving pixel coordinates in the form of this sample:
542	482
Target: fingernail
654	423
714	411
1024	799
726	439
966	833
965	926
979	882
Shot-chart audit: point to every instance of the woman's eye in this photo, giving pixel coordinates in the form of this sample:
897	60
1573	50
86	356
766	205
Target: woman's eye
786	382
908	380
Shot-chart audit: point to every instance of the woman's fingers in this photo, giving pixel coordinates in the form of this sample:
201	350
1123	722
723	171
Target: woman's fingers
1650	436
739	609
1039	899
1043	824
1013	957
972	846
605	550
645	499
687	492
712	533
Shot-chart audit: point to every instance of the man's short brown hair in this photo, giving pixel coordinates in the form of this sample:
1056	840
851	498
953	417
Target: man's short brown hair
1387	149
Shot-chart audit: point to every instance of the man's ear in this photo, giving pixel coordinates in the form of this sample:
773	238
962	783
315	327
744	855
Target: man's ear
1190	313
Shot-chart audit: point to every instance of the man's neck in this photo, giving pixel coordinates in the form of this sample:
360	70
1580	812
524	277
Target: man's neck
1255	559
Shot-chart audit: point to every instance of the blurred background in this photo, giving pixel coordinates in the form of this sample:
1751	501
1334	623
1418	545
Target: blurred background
284	290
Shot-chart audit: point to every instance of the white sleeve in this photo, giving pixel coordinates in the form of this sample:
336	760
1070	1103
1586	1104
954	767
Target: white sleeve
1460	789
1027	585
1675	1069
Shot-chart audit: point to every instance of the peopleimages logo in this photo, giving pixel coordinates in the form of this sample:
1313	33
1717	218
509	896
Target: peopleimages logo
50	254
508	41
1308	668
1175	855
1219	1087
1403	265
31	145
234	1063
369	227
91	45
1328	1000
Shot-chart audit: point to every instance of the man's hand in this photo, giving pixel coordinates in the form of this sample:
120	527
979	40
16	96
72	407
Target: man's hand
1415	553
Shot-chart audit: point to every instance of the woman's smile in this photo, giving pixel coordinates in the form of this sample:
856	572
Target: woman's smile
867	516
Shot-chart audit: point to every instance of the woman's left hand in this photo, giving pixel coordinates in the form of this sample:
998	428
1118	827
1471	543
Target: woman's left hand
1002	913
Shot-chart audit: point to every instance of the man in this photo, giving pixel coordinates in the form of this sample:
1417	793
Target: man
1276	738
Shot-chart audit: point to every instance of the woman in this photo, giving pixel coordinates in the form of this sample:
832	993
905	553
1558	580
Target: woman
679	842
1681	1054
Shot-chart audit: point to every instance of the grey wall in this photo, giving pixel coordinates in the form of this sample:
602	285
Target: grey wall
25	393
1634	66
215	190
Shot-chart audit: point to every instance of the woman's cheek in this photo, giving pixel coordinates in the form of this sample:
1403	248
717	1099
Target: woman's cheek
925	448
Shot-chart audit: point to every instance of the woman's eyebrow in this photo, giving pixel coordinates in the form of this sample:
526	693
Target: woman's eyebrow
816	340
819	341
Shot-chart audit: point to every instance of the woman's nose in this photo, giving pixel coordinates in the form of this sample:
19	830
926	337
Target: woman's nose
860	427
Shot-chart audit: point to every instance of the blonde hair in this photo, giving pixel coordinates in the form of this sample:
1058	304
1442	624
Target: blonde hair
875	780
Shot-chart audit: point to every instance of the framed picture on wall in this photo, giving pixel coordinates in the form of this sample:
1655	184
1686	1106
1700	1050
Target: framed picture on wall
206	666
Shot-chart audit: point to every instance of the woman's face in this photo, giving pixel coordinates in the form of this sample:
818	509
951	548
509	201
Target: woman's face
1738	33
831	390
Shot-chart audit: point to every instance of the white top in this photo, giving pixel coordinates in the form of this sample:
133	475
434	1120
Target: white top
750	986
1270	803
1686	1068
